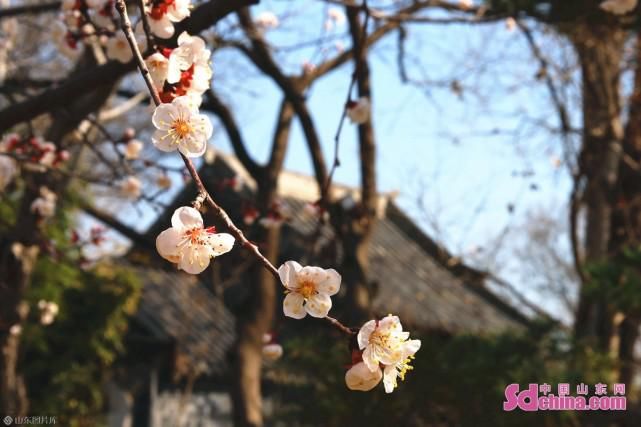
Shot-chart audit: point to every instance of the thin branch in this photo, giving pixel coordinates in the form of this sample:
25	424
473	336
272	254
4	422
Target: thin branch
202	191
58	96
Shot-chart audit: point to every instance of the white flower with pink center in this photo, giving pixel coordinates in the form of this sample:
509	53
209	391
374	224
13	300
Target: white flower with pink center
189	244
308	289
157	65
181	127
385	343
163	14
191	51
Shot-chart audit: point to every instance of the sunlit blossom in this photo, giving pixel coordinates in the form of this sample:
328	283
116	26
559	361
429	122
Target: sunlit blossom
359	111
189	244
118	48
48	312
360	377
157	64
267	20
308	289
385	343
272	352
181	127
8	170
133	149
45	205
131	187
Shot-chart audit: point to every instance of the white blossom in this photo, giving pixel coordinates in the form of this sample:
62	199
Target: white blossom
48	311
272	352
45	205
160	25
181	127
358	112
385	343
133	149
335	18
308	289
157	65
191	50
188	244
618	7
359	377
178	10
8	170
118	48
267	20
131	187
510	24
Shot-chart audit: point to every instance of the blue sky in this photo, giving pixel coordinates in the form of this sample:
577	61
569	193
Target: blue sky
431	142
467	156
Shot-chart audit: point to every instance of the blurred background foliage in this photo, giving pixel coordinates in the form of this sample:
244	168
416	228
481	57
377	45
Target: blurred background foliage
67	362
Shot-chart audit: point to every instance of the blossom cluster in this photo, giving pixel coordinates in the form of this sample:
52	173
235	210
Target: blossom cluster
180	76
81	20
39	154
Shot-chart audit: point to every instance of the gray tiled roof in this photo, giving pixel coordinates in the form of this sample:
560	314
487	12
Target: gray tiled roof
176	306
415	285
414	275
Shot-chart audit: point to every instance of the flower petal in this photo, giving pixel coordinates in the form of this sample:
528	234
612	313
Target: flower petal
287	273
221	243
389	378
370	359
186	217
195	259
411	347
163	141
164	116
364	333
390	324
167	244
331	283
360	378
293	306
318	305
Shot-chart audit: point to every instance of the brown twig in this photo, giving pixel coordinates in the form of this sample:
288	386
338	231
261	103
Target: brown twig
358	59
151	44
202	191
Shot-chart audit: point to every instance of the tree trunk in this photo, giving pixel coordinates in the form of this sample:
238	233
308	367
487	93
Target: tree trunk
626	219
356	226
599	48
16	264
256	318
